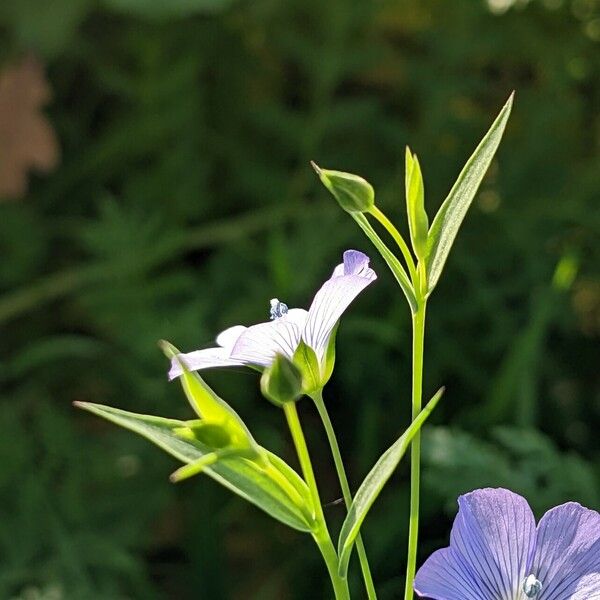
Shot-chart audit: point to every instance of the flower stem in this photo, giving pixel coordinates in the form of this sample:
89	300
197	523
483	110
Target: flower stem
388	225
418	322
341	472
320	533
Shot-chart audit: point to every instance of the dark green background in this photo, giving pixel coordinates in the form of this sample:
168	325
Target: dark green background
184	202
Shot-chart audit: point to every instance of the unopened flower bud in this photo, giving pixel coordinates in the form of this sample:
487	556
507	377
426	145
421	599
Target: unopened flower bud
281	382
353	193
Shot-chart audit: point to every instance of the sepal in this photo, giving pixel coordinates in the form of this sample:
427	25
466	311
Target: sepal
281	381
307	363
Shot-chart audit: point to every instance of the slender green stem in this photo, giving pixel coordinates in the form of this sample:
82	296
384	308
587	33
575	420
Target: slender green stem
415	454
391	229
341	472
390	258
291	491
321	533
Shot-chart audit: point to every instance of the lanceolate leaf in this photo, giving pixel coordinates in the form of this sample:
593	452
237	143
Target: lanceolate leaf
373	484
245	477
415	205
452	212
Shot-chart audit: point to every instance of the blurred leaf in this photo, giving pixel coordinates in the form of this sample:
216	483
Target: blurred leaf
167	9
45	27
523	460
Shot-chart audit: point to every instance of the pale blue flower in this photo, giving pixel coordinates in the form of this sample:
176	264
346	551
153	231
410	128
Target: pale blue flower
256	346
497	553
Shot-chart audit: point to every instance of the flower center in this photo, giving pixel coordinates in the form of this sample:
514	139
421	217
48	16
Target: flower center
532	586
278	309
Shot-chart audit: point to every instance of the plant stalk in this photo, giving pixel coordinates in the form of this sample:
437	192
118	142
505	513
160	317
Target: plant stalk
418	322
387	224
341	472
321	533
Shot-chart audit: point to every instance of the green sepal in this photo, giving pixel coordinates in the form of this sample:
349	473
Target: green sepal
306	361
329	358
418	222
213	435
281	381
353	193
271	485
373	483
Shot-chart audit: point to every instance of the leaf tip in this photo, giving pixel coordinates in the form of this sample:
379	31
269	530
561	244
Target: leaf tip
509	103
168	349
315	167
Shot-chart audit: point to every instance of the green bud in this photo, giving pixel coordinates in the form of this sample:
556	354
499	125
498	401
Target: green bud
281	382
353	193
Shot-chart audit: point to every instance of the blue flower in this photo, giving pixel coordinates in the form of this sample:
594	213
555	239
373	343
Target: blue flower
257	346
497	553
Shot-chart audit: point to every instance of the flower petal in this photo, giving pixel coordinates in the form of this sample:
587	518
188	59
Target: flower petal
444	576
202	359
567	556
229	337
259	344
347	281
493	538
494	533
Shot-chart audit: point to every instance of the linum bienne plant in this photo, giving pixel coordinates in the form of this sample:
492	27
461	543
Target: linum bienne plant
495	552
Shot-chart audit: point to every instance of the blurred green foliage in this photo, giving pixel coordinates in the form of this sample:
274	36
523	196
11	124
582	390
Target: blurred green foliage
184	201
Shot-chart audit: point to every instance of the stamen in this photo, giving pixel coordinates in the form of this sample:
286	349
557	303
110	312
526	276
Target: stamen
278	309
532	586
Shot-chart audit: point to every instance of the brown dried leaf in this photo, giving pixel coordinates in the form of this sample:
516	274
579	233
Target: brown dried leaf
27	139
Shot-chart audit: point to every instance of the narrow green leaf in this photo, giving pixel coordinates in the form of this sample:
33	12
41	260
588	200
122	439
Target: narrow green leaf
418	222
373	484
247	478
390	258
448	220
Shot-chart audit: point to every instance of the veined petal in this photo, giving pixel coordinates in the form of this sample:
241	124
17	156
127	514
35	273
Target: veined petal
444	576
347	281
494	533
207	358
491	546
259	344
229	337
567	555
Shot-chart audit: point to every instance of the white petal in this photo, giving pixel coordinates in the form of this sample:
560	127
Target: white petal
202	359
347	281
259	344
229	337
